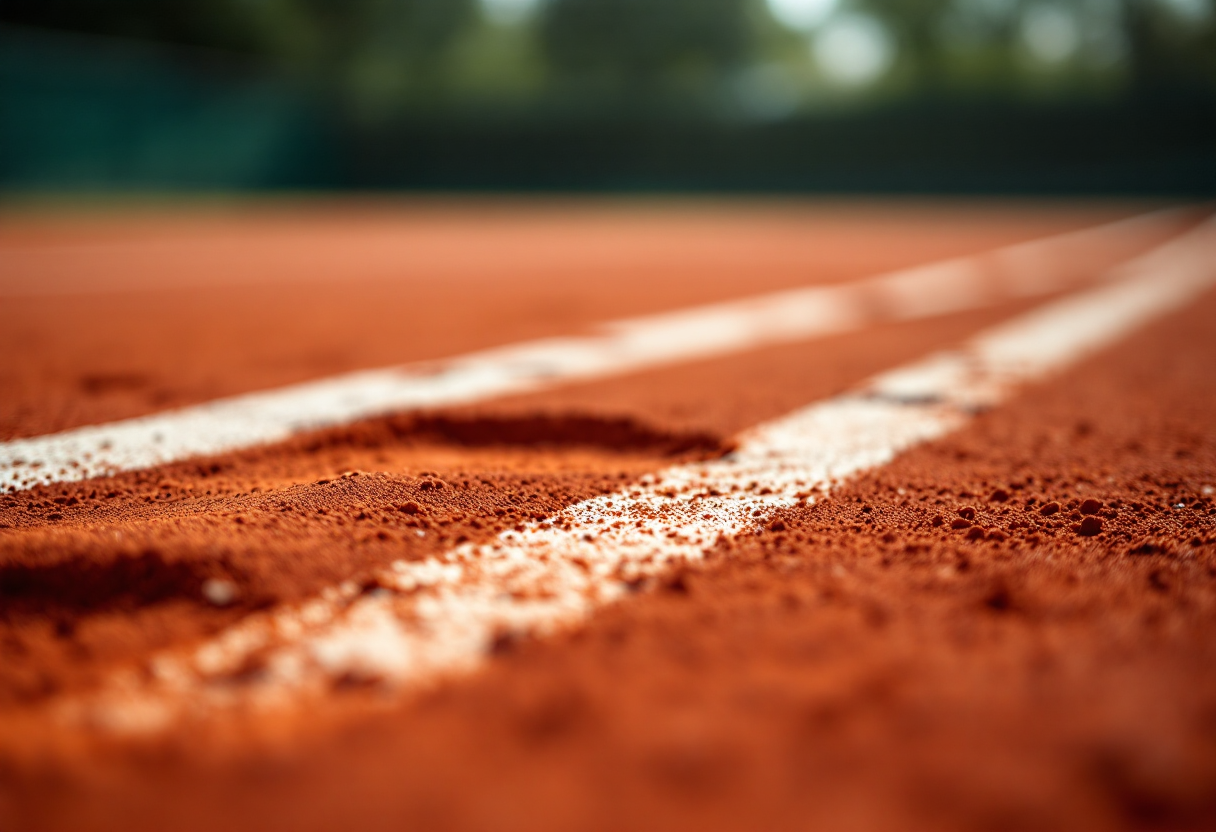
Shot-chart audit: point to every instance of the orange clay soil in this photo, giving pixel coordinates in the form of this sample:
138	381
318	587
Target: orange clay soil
104	318
94	575
1009	628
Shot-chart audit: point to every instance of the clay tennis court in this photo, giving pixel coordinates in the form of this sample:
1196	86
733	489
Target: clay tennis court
600	515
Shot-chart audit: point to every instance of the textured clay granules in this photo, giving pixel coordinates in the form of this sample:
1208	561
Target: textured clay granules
1009	628
281	523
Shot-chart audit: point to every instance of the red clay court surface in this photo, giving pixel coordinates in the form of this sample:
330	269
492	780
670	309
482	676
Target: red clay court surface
1002	621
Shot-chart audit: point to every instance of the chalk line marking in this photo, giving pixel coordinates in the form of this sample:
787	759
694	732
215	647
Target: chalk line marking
440	616
618	348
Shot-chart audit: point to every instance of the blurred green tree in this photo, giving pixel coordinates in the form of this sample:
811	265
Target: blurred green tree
381	57
371	49
643	48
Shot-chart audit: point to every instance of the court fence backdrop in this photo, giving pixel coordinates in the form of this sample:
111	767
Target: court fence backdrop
611	95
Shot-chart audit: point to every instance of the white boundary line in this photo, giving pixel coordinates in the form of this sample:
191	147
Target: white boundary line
441	615
619	347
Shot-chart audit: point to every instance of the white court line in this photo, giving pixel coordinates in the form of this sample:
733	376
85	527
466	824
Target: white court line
618	348
441	615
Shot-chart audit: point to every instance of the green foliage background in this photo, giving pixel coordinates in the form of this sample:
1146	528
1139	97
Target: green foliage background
594	93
